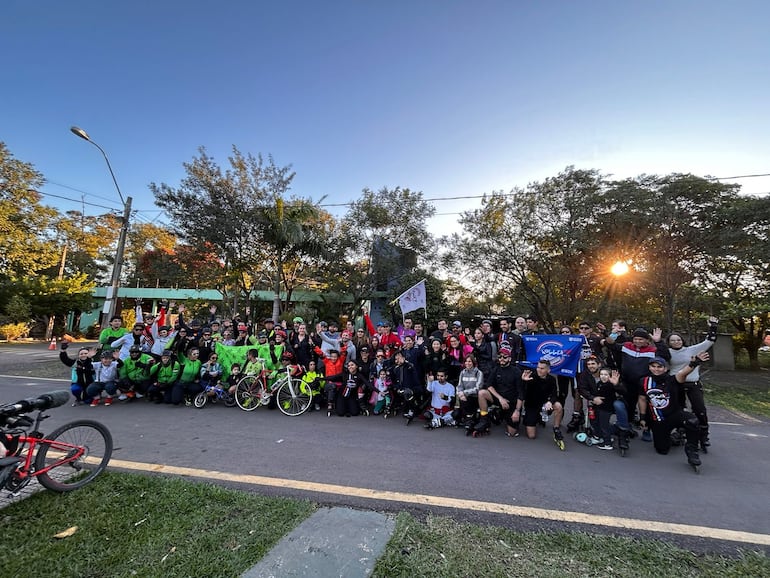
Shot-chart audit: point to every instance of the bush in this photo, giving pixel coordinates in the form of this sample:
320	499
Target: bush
12	331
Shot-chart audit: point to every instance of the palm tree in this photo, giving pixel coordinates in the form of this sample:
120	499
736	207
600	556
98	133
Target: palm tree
290	236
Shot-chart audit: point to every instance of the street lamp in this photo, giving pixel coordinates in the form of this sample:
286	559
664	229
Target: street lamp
110	303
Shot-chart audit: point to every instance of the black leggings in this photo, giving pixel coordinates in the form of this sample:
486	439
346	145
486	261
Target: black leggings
693	390
661	430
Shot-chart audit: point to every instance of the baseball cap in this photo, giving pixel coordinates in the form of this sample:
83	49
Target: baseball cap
457	324
659	360
298	320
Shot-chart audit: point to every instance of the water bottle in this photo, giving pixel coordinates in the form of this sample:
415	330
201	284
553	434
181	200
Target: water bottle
544	415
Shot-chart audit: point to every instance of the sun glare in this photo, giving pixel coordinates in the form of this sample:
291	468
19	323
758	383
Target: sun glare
619	268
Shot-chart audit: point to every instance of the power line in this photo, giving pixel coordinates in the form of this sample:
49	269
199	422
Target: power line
79	201
79	191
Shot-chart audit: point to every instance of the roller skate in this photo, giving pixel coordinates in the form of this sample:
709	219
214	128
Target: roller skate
433	423
704	439
558	438
693	459
575	422
481	428
409	416
329	409
623	442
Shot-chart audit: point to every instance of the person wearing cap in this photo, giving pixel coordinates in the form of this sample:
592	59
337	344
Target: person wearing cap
269	325
659	406
295	323
635	358
243	337
163	336
216	327
112	332
505	389
136	338
205	344
105	378
135	374
388	338
457	331
163	376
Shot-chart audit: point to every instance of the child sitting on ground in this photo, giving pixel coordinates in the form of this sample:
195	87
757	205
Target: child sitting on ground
381	397
440	412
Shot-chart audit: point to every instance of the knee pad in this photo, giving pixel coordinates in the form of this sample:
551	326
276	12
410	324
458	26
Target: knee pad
691	421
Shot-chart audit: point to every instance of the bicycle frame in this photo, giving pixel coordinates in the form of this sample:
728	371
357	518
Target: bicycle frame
25	452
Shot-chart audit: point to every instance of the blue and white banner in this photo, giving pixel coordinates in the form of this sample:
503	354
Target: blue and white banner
562	351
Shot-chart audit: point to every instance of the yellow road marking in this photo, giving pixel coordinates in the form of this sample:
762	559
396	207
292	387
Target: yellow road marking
445	502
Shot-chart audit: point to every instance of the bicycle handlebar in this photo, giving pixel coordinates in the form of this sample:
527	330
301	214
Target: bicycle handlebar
42	403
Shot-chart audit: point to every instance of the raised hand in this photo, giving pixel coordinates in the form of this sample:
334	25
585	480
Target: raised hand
657	333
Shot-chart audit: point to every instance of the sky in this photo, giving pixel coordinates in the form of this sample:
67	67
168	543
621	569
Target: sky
451	98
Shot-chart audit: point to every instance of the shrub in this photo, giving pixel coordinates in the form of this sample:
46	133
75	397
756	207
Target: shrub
12	331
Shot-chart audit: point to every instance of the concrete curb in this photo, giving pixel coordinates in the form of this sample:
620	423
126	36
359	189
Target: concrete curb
332	542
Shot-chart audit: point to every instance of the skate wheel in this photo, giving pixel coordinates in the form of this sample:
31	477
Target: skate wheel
695	468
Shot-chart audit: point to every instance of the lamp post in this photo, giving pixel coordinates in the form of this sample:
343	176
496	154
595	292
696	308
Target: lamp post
110	302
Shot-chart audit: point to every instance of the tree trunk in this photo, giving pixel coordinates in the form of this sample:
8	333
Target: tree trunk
277	295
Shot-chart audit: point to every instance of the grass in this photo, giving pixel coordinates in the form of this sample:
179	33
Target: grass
745	398
134	525
443	547
130	524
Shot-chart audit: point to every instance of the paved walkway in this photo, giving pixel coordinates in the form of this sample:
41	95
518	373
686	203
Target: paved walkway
332	542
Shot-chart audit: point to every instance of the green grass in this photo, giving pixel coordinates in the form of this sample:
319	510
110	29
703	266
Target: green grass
138	525
748	399
742	359
134	525
443	547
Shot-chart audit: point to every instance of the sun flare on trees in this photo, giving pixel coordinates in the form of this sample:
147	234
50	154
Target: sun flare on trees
619	269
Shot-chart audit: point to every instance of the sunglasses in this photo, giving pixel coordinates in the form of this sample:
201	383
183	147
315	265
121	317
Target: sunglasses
566	332
585	327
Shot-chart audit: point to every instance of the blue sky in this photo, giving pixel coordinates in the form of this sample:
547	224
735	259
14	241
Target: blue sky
453	98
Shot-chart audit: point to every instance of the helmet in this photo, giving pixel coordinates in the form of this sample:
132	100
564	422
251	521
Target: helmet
135	349
281	332
287	356
106	355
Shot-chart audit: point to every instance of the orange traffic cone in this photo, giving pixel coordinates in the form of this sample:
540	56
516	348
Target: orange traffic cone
52	345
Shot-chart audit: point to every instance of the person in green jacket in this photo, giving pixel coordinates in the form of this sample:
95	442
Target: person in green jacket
189	384
113	331
135	374
163	376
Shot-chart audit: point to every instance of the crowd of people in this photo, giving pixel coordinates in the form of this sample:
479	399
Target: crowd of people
450	376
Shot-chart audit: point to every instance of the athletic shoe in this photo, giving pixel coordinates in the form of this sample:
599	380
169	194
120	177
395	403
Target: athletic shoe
139	396
130	394
605	446
95	402
122	397
108	401
409	414
595	441
187	401
646	436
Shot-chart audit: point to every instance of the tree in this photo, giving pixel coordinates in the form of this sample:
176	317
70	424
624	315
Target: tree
381	238
25	224
538	245
244	215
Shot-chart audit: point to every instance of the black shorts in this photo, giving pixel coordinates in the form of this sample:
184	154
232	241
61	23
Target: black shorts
532	415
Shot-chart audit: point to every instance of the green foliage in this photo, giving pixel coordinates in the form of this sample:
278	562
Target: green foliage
12	331
437	307
25	224
18	309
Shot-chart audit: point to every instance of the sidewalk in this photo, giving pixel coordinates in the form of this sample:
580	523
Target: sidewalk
332	542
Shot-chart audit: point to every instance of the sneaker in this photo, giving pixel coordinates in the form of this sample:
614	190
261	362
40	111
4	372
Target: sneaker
122	397
107	401
187	401
646	436
595	441
130	395
605	446
95	402
139	396
317	407
409	414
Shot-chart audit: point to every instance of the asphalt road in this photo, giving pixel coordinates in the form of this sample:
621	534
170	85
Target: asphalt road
383	455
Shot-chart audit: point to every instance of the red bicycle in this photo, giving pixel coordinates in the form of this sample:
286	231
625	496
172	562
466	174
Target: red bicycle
67	459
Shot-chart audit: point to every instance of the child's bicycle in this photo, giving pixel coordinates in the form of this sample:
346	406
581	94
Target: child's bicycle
213	394
68	459
293	396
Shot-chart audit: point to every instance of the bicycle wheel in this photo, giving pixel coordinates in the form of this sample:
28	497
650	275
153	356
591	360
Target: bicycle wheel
248	393
294	397
200	400
76	453
228	399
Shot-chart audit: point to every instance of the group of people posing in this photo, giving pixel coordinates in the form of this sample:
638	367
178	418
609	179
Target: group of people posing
451	376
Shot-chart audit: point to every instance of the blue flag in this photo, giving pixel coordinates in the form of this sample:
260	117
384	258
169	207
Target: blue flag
563	351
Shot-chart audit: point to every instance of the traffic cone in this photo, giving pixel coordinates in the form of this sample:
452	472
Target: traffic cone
52	345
